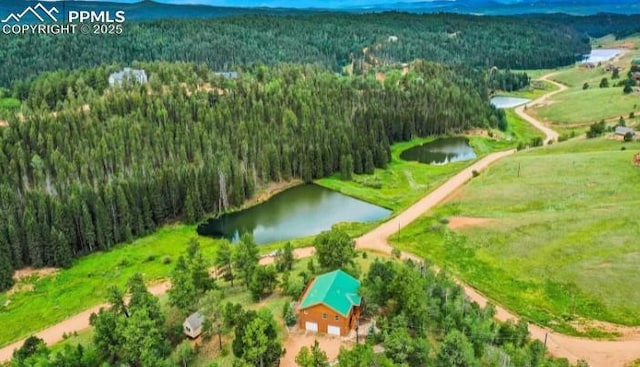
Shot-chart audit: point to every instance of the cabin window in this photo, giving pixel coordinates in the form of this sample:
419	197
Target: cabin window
337	318
324	316
187	328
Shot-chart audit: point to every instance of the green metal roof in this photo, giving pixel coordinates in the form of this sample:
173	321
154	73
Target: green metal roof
337	290
635	61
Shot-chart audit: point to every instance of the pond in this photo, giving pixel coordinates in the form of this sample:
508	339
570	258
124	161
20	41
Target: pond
301	211
600	55
508	102
441	151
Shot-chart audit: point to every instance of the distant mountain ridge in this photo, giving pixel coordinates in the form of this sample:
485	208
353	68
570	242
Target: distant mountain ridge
161	9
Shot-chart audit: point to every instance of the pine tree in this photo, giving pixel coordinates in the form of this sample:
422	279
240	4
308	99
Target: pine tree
246	258
224	261
6	270
182	293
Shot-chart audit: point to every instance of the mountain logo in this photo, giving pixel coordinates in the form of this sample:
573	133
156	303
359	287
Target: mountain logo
39	11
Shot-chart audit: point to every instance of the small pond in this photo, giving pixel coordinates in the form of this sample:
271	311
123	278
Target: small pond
441	151
508	102
301	211
600	55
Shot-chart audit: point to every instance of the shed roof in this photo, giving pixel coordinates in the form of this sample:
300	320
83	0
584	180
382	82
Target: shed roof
195	320
622	130
337	290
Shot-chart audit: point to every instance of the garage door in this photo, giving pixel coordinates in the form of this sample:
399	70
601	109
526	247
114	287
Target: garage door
311	326
333	330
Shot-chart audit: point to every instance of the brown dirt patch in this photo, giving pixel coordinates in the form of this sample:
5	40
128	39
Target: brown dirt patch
477	132
267	192
622	332
19	288
29	272
4	123
381	77
461	222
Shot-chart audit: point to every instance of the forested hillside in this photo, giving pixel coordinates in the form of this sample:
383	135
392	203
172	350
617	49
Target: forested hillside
330	39
88	166
597	25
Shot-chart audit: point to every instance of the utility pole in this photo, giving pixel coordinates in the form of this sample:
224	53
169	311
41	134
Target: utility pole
545	339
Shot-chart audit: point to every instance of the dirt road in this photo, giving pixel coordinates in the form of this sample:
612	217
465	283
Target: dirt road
550	134
596	353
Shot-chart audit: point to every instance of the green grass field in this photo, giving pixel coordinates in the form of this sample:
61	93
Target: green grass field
583	107
85	284
576	108
535	90
402	183
561	242
9	103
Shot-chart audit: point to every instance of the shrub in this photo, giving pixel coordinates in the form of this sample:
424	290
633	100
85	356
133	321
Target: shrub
166	260
475	173
396	253
537	141
289	314
150	258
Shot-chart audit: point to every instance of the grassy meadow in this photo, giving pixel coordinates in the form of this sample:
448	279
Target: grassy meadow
403	183
85	284
536	90
560	239
577	108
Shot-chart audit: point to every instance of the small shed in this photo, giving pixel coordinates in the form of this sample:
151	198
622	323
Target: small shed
135	75
192	325
227	74
392	39
623	130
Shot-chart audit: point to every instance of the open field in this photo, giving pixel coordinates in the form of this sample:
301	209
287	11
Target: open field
576	108
584	107
561	242
521	129
70	291
402	183
9	103
537	89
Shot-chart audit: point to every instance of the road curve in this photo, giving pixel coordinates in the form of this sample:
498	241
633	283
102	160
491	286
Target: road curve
596	353
551	135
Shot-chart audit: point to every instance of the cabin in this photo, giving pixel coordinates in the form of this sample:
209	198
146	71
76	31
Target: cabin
227	74
330	304
392	39
623	130
192	325
134	75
